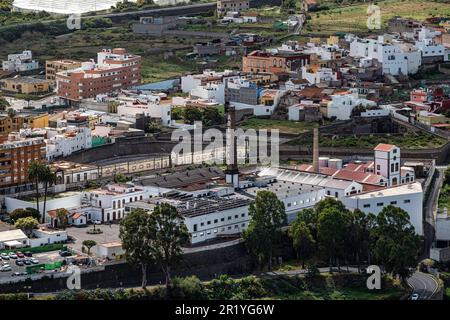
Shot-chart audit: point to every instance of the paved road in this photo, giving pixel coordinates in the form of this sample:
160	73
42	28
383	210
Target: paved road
424	285
430	209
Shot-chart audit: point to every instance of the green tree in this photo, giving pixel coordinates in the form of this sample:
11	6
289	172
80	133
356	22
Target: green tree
3	103
192	114
358	236
26	224
23	213
170	236
120	178
137	232
268	215
302	240
62	215
212	116
48	177
89	244
332	232
35	170
394	242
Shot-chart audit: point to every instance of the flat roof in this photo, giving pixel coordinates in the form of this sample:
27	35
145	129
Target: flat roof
414	187
12	235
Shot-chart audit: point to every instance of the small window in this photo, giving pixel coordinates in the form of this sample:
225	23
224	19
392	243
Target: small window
367	205
407	201
380	204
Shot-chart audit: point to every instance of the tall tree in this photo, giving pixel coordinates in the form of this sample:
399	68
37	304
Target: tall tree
395	243
34	174
48	178
302	240
171	235
268	215
137	232
331	233
357	236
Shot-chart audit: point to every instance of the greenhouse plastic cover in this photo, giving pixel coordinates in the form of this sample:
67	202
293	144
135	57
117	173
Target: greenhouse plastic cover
66	6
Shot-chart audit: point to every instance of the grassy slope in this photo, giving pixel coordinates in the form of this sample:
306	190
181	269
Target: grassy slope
353	18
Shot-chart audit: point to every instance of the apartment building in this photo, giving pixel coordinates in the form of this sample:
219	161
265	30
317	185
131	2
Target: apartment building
115	69
274	63
224	6
67	140
25	85
19	62
16	153
19	121
52	67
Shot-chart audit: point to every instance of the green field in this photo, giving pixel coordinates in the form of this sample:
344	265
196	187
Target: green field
353	18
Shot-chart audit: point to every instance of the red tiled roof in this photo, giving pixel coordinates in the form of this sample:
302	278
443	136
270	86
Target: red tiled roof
384	147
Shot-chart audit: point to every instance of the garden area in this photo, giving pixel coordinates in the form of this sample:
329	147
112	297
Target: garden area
409	140
285	126
444	194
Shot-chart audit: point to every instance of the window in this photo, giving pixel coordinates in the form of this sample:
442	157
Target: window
229	217
215	220
367	205
243	215
209	222
222	219
195	227
202	224
393	202
407	201
380	204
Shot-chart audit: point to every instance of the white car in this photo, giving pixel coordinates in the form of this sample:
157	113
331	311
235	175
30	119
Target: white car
415	296
13	255
5	268
96	222
34	260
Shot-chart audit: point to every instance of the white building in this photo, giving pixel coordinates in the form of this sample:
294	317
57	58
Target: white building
395	57
109	202
67	140
210	91
43	237
387	163
13	239
408	197
321	75
341	106
20	62
193	81
206	218
162	111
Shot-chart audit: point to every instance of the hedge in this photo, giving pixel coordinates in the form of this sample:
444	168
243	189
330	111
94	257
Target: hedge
46	248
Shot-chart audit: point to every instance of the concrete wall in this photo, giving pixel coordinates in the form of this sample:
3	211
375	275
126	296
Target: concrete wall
230	260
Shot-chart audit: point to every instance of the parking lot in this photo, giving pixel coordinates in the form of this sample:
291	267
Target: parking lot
47	257
110	234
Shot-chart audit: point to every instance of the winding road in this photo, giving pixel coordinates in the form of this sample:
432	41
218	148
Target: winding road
425	285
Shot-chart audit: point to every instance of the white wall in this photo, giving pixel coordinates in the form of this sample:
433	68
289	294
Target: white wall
70	201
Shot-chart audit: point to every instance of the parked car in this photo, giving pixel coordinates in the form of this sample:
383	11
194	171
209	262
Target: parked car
27	261
4	256
34	261
96	222
65	253
28	254
5	268
20	254
19	262
12	255
17	274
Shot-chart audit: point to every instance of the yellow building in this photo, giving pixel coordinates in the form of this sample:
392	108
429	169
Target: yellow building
333	41
25	85
430	118
20	121
52	67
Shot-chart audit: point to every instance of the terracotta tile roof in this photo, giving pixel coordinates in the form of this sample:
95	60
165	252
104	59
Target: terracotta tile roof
384	147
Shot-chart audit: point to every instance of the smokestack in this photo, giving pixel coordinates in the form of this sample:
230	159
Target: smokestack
232	171
316	150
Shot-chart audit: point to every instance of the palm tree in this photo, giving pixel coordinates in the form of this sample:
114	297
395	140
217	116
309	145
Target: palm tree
62	214
49	178
34	174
